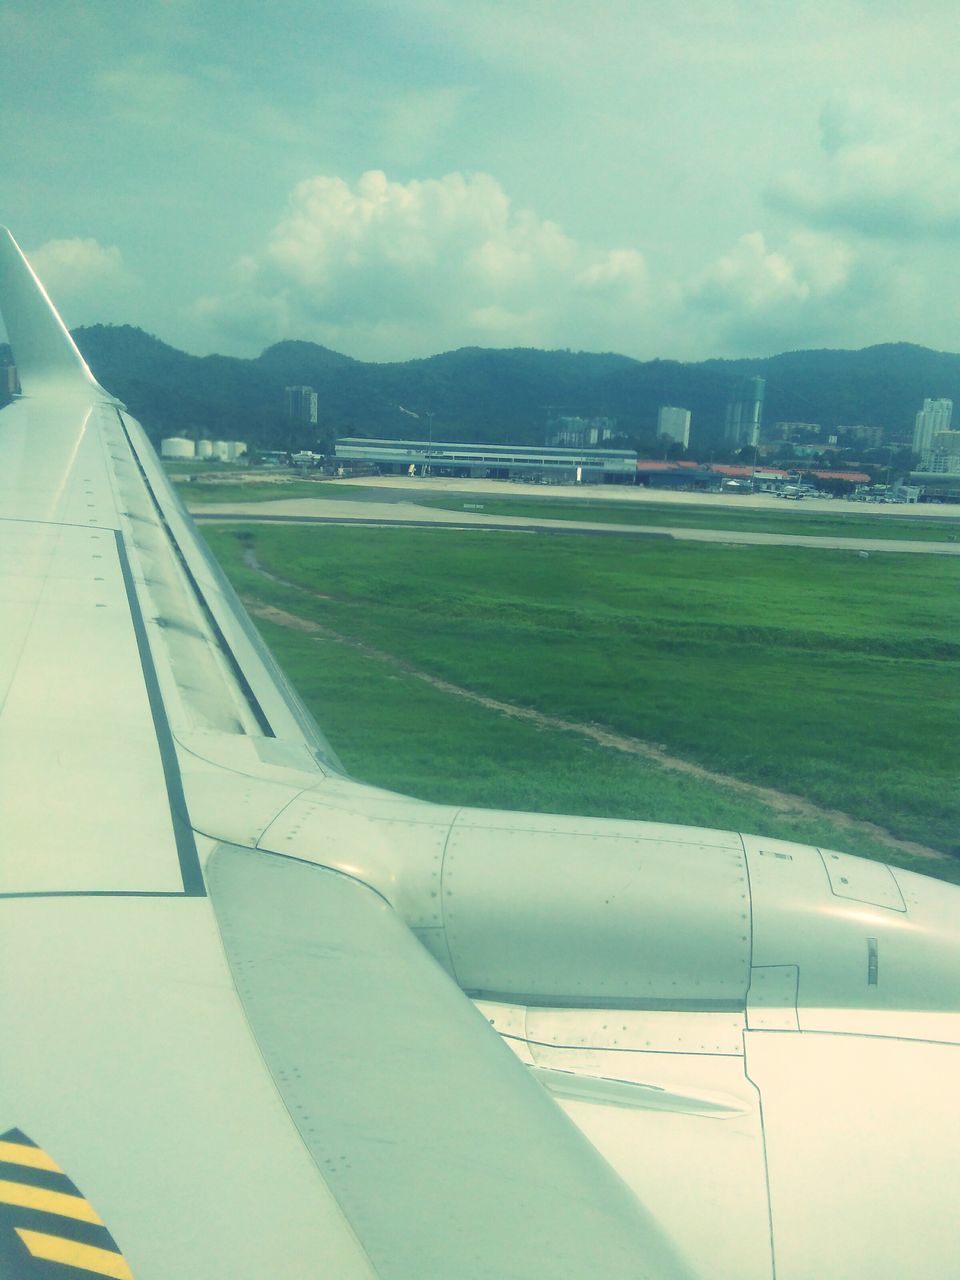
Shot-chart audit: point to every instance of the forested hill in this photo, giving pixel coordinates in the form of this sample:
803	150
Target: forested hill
496	395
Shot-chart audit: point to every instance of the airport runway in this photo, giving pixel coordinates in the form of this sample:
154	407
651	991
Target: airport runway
337	511
403	488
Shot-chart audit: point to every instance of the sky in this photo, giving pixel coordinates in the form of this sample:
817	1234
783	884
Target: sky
396	178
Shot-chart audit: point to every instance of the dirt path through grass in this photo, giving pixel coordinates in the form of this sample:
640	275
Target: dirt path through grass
780	801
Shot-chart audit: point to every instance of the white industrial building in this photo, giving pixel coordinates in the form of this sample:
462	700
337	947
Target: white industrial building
228	450
491	461
182	449
177	447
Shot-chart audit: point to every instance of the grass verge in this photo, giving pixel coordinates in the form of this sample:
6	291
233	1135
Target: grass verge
207	492
791	520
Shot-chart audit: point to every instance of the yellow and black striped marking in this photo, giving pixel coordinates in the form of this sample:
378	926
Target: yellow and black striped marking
48	1230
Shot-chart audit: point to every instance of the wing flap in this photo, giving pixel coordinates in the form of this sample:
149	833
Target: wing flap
127	1060
446	1156
862	1136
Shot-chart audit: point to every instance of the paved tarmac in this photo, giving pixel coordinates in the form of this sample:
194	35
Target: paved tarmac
405	512
405	488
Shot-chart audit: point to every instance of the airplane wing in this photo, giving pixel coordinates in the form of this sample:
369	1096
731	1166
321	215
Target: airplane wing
259	1019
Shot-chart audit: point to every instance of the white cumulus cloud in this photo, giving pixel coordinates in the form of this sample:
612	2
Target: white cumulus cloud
87	281
753	277
762	297
388	269
78	266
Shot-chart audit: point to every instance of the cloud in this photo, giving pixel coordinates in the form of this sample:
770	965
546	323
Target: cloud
757	278
87	281
387	270
414	122
79	266
757	297
393	270
887	170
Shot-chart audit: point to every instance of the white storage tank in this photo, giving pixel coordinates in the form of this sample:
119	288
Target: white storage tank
224	450
176	447
204	449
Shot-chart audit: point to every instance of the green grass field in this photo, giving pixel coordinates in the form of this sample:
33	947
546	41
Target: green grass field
183	468
792	518
817	673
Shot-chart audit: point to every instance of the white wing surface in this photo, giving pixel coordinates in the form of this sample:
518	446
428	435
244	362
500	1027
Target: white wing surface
261	1020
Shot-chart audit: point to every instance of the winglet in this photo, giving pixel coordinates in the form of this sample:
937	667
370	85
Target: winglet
47	359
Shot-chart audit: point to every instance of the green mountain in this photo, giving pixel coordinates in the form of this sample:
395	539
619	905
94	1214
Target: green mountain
475	394
880	386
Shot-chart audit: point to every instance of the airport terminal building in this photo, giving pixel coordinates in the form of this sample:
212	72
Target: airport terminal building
491	461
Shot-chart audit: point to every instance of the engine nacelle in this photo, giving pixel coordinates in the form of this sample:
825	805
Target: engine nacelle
572	911
539	910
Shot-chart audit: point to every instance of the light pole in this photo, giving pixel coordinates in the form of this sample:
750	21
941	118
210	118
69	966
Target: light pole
428	414
429	438
425	465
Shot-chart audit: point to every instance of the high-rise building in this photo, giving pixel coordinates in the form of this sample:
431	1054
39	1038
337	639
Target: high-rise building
947	463
943	454
947	442
796	431
870	437
744	414
674	423
301	403
579	433
933	418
